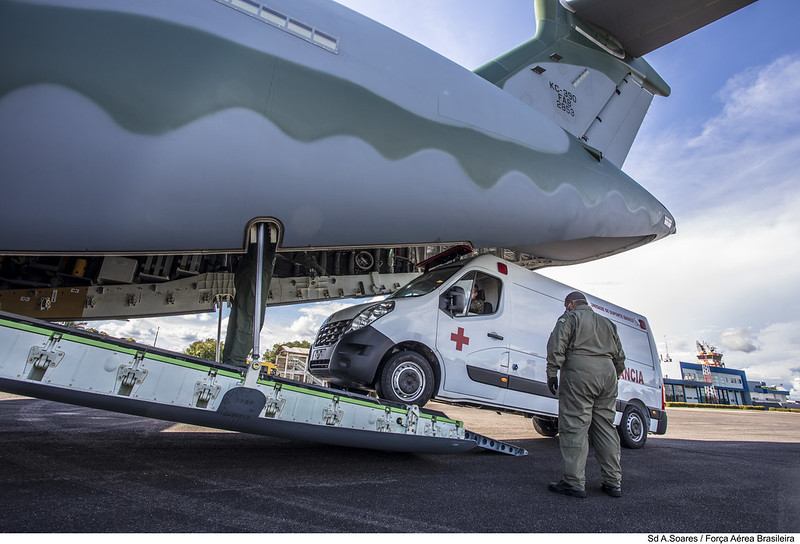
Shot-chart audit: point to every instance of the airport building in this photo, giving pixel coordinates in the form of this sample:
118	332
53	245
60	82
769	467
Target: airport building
709	382
761	393
730	386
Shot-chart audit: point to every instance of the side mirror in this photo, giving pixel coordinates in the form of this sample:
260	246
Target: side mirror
453	301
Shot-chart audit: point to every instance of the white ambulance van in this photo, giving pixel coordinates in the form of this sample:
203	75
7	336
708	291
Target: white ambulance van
475	333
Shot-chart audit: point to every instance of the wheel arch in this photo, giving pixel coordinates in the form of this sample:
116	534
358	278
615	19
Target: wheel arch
642	407
418	347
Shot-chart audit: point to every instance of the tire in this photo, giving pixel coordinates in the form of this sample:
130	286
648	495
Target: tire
632	428
407	377
546	426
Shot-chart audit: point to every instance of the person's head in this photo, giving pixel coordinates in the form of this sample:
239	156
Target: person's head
573	300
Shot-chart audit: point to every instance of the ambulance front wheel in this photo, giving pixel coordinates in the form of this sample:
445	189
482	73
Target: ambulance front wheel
406	377
632	428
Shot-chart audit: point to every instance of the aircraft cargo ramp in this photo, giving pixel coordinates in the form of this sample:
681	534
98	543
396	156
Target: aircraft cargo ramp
63	364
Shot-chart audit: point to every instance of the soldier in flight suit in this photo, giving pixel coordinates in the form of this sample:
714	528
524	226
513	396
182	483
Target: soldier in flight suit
586	349
239	338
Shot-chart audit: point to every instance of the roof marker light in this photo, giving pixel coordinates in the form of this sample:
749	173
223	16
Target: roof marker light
502	268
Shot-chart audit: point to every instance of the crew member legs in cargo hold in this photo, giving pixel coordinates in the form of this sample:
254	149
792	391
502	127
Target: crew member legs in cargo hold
239	337
585	349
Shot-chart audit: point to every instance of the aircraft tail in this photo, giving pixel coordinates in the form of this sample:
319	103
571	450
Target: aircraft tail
579	76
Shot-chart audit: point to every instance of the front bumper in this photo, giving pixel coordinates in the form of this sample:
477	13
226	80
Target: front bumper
653	414
352	361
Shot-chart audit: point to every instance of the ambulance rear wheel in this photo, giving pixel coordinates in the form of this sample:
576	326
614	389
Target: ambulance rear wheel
546	426
632	428
407	377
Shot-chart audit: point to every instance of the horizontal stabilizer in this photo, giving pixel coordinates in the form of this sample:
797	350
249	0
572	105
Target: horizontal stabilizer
642	26
578	76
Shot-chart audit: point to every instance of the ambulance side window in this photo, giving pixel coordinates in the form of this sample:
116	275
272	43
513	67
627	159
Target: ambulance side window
483	294
465	283
635	344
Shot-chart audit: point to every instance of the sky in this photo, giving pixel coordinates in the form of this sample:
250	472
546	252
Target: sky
722	153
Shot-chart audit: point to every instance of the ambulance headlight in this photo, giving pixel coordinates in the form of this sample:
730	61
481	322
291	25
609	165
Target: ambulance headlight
370	314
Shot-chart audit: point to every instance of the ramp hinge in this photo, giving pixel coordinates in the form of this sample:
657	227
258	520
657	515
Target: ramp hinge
206	390
333	414
412	419
430	428
275	402
42	358
252	374
384	423
130	376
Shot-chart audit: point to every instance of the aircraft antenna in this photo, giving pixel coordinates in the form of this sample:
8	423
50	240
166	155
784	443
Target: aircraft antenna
666	358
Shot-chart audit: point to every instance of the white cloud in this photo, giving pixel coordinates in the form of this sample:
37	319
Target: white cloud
744	157
174	333
777	363
760	104
302	321
738	339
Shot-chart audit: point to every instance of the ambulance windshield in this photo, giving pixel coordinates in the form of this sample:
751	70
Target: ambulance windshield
426	283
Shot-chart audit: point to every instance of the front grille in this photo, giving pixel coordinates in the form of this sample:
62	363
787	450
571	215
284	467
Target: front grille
329	334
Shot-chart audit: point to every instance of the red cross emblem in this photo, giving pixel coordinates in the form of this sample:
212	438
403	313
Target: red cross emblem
459	338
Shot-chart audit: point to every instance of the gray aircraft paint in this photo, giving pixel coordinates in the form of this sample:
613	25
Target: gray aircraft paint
170	129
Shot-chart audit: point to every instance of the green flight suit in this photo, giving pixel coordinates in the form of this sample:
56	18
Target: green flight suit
239	337
586	349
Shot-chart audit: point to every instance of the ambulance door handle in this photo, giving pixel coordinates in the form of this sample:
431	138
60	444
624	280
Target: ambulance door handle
494	335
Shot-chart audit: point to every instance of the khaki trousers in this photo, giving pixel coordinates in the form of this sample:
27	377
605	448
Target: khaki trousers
586	411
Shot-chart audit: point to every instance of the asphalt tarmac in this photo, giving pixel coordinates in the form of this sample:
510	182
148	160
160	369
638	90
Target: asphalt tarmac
68	469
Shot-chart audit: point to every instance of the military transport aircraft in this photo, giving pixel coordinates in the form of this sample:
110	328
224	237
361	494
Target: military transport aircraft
144	146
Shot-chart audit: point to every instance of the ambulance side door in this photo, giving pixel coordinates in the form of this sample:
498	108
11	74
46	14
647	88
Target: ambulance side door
472	340
534	316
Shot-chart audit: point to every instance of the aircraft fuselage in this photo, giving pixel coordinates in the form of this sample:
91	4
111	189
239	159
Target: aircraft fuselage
150	126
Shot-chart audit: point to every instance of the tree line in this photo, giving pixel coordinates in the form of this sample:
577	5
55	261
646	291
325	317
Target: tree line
207	349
